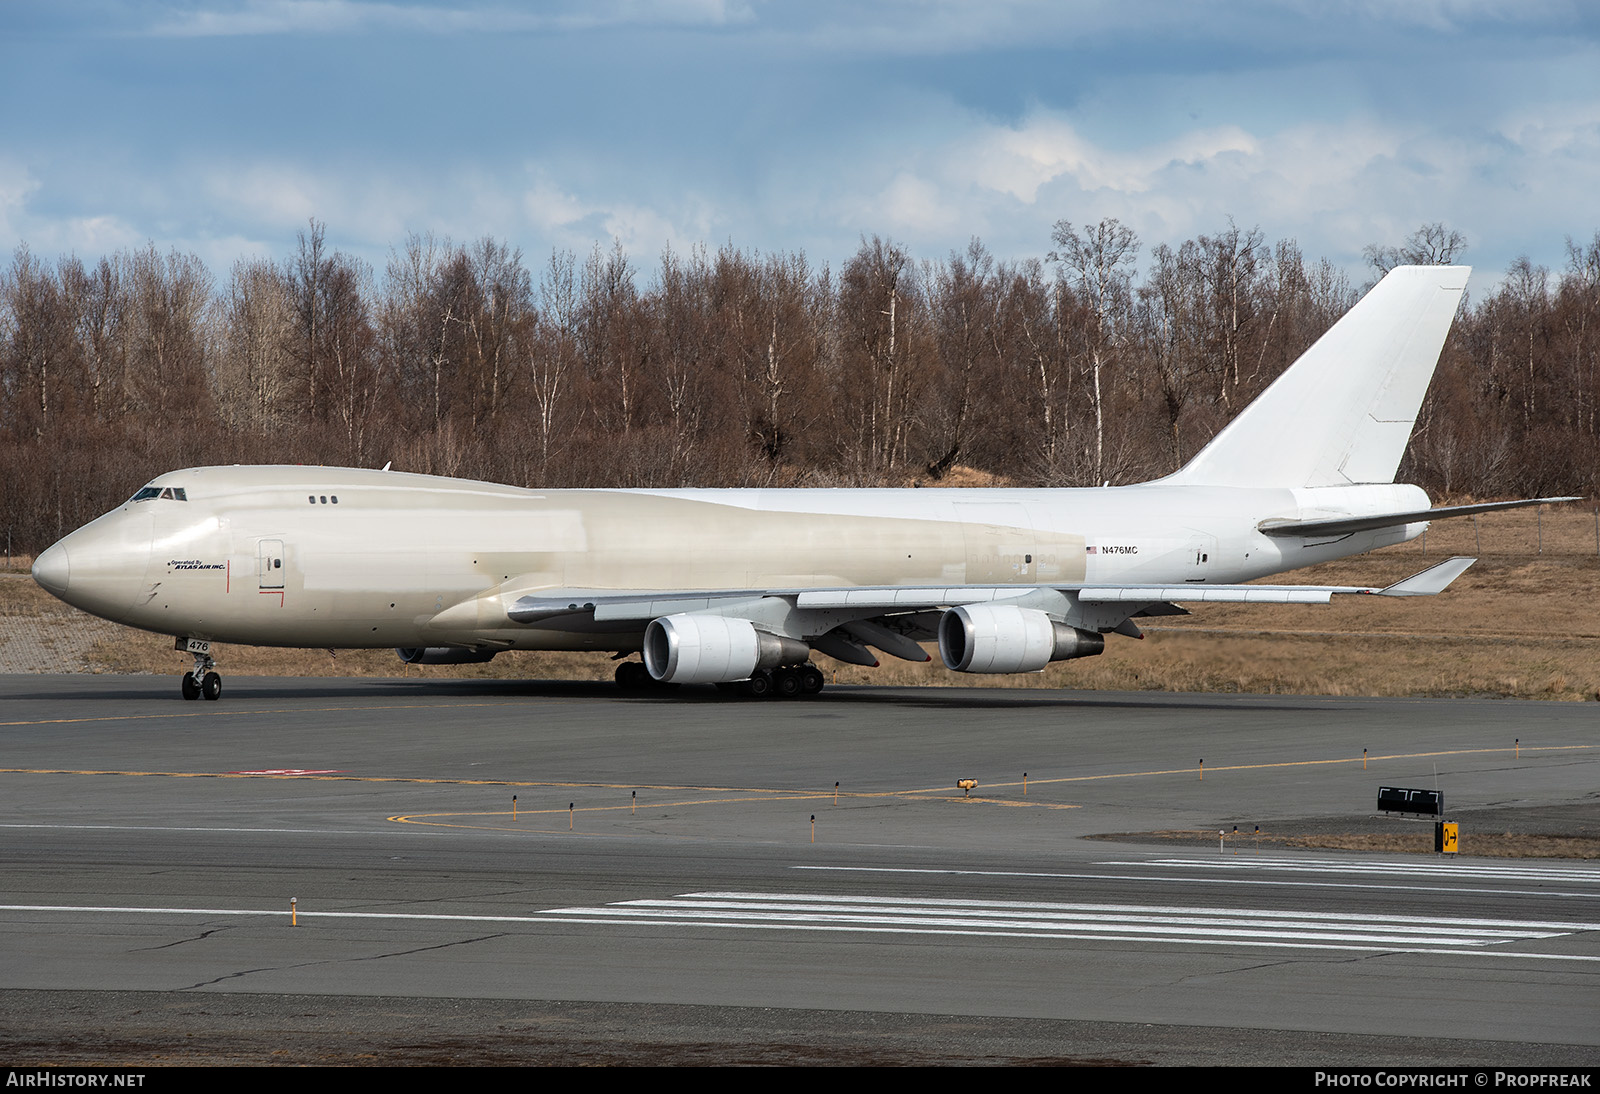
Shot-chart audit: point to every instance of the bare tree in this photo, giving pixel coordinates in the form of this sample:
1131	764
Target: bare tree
502	299
962	296
877	298
253	367
1430	245
551	358
1230	265
1099	266
349	349
608	314
304	277
1170	325
169	299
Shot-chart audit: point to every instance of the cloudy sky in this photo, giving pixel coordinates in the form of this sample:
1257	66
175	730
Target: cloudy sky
222	127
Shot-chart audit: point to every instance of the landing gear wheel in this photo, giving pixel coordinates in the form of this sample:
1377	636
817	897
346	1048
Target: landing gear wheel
786	683
200	681
811	680
759	686
633	676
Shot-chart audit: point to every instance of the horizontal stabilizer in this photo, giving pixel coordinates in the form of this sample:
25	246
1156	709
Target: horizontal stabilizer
1343	526
1427	583
1201	593
1431	581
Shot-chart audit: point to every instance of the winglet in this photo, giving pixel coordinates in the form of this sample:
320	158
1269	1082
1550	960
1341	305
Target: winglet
1431	581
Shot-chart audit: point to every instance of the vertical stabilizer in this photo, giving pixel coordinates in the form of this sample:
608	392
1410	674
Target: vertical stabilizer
1343	412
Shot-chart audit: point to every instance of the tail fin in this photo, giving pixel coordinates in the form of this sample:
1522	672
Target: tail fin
1343	412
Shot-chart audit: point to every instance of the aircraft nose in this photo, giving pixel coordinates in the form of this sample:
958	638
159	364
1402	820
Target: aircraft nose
52	570
100	567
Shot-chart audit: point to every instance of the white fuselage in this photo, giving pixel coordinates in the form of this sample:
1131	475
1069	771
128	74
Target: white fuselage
330	557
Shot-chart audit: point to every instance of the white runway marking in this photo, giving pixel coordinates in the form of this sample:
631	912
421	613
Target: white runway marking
1420	877
1040	920
1091	922
1472	871
192	828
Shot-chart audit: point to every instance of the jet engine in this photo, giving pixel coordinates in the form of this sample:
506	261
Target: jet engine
713	649
1008	638
443	655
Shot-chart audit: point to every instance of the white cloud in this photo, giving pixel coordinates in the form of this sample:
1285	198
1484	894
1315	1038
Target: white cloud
913	204
17	184
1570	129
320	17
83	234
276	194
1019	160
549	207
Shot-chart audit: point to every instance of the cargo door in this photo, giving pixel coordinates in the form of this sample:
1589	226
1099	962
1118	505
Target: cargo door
269	563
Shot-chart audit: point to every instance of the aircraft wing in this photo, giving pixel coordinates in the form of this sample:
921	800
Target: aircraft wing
614	606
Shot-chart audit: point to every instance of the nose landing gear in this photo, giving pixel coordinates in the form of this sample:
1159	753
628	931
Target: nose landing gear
202	681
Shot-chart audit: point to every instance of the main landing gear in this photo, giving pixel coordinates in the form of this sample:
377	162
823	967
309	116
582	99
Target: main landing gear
202	681
633	676
788	682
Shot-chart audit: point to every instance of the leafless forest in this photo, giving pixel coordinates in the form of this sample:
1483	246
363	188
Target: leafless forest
1106	362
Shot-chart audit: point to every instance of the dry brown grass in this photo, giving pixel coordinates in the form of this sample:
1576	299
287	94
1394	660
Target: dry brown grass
1520	624
20	596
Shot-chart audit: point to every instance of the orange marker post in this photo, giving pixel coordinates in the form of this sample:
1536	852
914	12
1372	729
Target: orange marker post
294	918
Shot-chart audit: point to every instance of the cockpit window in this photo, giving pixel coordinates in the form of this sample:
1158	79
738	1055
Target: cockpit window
170	493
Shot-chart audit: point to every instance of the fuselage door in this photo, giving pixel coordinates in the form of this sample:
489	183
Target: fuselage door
1201	550
269	563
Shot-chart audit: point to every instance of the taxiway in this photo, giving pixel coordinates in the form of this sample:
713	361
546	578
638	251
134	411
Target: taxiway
679	868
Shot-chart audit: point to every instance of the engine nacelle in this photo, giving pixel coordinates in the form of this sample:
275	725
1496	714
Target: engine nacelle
444	655
714	649
1007	638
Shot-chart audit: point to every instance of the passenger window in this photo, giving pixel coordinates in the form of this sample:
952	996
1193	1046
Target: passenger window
324	500
312	498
